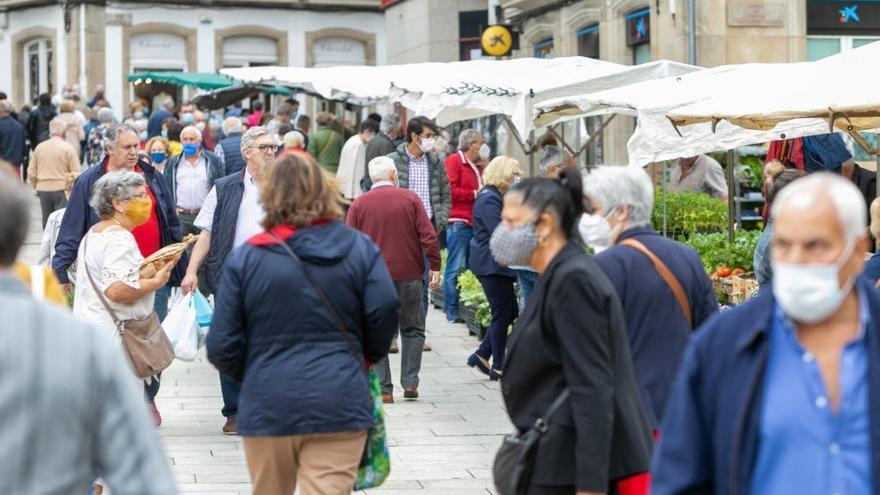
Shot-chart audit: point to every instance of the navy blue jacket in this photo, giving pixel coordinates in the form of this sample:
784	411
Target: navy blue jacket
154	125
710	432
657	328
272	333
487	216
79	218
12	139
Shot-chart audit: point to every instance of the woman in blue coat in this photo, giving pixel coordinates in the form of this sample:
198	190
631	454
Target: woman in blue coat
497	280
305	406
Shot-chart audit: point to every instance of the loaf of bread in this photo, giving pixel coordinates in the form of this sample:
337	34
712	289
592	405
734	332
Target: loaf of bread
168	254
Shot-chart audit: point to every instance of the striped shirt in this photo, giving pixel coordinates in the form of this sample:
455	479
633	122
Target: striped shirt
420	180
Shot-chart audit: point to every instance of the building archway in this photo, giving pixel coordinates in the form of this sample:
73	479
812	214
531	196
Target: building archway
38	46
175	38
231	46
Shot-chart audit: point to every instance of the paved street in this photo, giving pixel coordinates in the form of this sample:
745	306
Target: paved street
443	443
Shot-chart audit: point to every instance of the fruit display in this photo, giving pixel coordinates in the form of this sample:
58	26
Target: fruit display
168	254
735	285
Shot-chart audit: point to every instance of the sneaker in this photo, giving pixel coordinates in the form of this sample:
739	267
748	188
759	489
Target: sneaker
387	399
154	413
394	349
426	347
231	426
411	393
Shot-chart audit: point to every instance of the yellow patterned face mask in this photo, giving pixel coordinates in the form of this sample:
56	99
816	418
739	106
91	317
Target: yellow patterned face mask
138	210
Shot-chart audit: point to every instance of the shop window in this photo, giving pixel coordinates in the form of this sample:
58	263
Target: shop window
544	49
37	68
249	51
470	28
588	41
819	47
638	35
835	26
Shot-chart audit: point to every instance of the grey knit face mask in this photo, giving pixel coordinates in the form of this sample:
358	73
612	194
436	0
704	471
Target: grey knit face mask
514	246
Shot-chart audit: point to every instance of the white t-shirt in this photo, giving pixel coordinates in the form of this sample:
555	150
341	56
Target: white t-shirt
250	212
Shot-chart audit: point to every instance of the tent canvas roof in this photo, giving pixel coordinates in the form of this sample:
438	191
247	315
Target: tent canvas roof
201	80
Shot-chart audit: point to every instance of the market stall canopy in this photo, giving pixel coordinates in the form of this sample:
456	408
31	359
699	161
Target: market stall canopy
208	81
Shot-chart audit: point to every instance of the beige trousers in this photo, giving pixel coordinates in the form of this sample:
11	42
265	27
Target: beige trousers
322	463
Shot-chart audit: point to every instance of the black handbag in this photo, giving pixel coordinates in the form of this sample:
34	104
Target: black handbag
515	459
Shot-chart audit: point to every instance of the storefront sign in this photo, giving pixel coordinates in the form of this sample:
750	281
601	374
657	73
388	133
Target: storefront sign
498	40
118	19
751	13
843	17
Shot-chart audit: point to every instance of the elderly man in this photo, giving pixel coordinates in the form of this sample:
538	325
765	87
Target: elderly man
662	284
350	171
12	136
230	215
465	181
326	144
782	394
701	174
395	219
162	228
554	159
228	150
190	175
382	144
82	415
54	165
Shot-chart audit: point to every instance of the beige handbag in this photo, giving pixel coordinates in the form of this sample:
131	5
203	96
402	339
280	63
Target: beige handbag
144	341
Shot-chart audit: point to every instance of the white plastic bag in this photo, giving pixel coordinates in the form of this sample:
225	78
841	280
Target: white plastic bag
182	328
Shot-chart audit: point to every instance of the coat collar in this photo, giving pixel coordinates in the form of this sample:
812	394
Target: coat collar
636	232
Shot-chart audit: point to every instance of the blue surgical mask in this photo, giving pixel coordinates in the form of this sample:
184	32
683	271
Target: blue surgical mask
157	156
142	136
187	118
165	133
190	149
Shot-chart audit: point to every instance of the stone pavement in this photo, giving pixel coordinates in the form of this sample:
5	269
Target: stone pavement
443	443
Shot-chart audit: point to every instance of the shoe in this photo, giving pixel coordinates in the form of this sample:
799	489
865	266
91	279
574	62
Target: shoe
394	349
387	398
411	393
495	375
426	347
478	362
154	413
231	426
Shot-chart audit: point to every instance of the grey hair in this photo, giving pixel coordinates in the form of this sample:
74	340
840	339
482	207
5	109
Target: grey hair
116	130
380	168
804	193
294	139
5	106
552	156
15	203
467	138
57	127
192	128
105	115
252	135
231	125
390	122
616	186
119	185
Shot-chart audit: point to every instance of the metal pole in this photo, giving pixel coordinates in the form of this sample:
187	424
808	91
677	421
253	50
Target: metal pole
731	193
692	32
493	18
663	192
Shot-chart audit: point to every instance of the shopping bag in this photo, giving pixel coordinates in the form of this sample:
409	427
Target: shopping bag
375	461
204	311
182	328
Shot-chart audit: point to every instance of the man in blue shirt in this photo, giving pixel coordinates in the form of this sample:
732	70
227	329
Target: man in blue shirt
782	394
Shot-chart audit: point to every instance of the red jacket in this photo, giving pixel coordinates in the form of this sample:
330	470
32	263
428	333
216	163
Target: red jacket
464	182
396	220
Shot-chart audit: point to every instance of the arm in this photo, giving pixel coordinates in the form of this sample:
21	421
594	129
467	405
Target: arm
313	148
453	173
581	317
121	281
225	342
445	196
74	225
197	257
716	182
33	168
122	293
491	213
381	309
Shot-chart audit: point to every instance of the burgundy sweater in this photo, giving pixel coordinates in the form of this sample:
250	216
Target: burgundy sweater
397	222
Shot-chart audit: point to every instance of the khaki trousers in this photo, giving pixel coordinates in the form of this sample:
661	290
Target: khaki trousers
322	463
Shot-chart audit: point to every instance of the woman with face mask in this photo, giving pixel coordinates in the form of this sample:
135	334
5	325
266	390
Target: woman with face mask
158	150
569	346
662	284
496	278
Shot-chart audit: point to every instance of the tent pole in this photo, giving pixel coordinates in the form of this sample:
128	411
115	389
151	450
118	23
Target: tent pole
561	141
527	147
731	193
595	134
663	187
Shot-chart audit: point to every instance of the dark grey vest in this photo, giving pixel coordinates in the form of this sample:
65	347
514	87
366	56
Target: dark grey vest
230	190
232	153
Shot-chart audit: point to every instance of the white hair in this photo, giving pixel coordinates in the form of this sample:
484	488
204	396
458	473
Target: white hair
192	128
467	138
231	125
294	139
615	186
803	194
57	127
381	168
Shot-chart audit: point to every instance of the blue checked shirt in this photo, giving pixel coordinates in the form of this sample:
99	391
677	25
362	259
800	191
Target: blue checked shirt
420	180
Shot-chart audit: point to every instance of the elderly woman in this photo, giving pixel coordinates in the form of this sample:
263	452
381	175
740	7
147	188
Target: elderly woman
776	177
661	312
497	279
73	126
158	151
300	355
569	347
295	142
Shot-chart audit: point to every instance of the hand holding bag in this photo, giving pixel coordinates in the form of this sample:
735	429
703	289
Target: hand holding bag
144	341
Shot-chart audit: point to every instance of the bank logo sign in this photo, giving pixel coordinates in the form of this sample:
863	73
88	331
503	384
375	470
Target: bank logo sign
848	14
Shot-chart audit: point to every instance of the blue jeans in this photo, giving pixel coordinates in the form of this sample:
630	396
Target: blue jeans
527	280
458	239
230	391
160	305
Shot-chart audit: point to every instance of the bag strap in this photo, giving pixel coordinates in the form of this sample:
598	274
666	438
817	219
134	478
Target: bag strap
667	275
326	144
349	338
542	424
104	302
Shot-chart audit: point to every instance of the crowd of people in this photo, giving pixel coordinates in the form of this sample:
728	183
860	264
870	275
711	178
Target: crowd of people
320	247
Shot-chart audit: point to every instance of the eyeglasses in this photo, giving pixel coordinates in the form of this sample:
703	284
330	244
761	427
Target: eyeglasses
428	136
267	148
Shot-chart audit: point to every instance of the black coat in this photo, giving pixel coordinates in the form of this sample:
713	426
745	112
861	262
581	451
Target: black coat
38	124
573	335
487	216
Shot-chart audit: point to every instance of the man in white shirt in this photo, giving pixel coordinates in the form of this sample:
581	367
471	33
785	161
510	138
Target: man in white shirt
230	215
190	175
350	173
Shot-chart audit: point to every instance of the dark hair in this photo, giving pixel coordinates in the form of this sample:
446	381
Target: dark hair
174	130
303	121
258	105
369	125
283	128
45	99
15	203
776	178
376	117
3	96
417	125
563	196
292	101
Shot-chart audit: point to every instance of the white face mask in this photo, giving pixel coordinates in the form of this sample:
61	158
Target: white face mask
810	293
427	144
484	152
595	231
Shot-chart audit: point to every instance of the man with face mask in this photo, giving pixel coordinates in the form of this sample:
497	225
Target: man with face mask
465	182
161	228
230	215
662	284
190	175
782	394
395	219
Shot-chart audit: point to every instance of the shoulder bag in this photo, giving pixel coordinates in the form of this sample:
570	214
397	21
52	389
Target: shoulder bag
515	459
375	465
144	341
667	275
